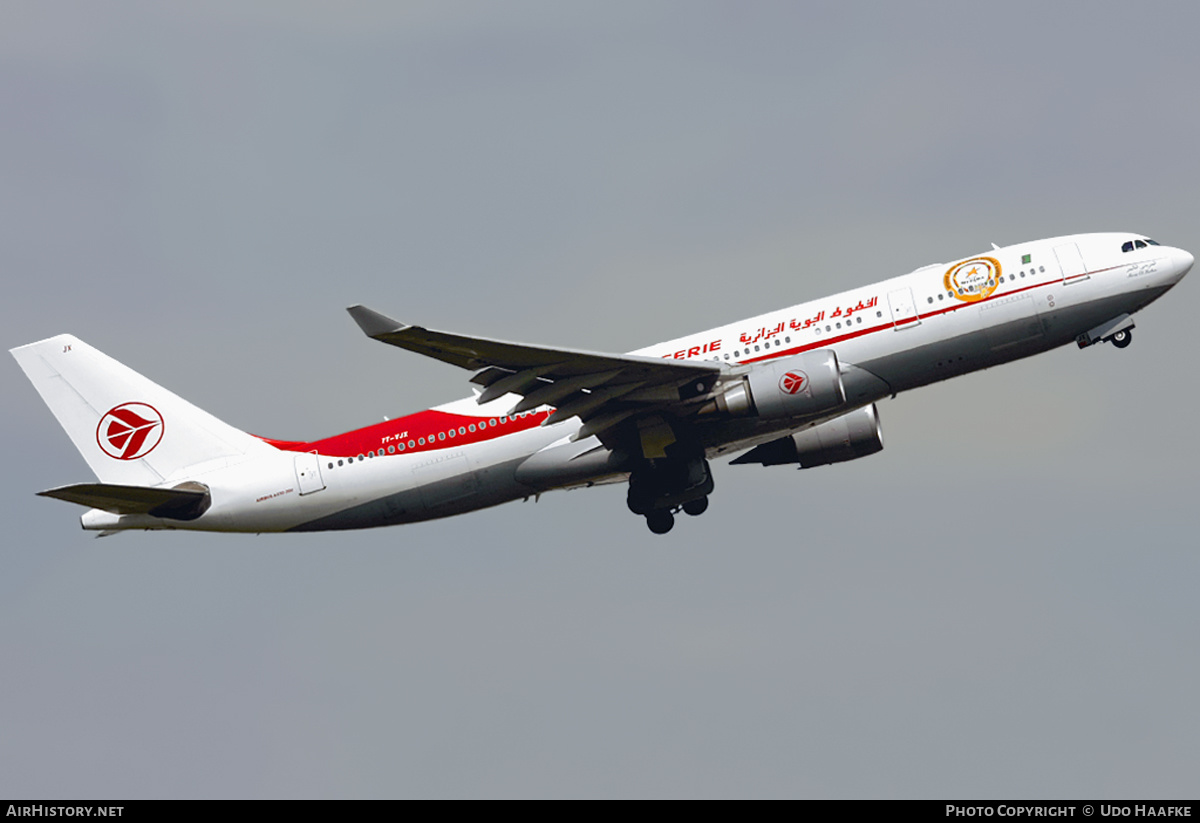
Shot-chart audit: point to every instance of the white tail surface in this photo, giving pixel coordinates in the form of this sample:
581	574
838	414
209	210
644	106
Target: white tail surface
129	429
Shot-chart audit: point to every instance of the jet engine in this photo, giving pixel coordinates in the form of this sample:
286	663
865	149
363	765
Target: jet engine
804	384
848	437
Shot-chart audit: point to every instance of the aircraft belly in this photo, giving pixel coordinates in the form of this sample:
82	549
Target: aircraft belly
440	484
999	335
491	486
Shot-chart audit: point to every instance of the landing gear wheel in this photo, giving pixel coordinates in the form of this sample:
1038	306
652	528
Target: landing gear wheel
696	507
1122	338
660	521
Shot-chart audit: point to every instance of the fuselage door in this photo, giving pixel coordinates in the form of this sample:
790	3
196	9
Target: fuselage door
904	309
308	473
1071	263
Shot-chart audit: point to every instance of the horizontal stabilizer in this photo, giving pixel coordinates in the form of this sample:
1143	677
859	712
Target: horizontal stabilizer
186	501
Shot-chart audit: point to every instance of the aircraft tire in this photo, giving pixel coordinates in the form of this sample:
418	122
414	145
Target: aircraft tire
696	507
660	521
1122	338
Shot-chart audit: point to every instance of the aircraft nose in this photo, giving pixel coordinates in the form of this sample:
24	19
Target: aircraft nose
1185	261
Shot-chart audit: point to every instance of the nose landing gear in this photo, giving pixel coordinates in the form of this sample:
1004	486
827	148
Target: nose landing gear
1118	331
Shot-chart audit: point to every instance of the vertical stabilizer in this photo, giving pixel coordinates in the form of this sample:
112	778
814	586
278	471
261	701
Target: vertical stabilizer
129	429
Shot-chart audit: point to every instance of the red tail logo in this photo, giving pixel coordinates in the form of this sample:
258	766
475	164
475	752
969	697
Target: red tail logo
792	382
129	431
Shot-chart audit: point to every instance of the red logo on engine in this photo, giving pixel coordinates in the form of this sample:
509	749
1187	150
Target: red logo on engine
793	382
129	431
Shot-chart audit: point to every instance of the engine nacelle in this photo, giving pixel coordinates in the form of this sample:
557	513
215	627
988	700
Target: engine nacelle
804	384
848	437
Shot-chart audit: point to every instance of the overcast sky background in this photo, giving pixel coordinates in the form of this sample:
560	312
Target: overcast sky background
1000	604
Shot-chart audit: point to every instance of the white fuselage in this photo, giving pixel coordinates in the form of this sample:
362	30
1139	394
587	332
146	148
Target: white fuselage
929	325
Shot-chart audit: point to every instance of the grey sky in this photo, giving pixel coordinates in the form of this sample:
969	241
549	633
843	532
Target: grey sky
1002	603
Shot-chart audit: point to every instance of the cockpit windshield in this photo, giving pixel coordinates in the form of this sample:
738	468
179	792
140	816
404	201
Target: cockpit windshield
1130	245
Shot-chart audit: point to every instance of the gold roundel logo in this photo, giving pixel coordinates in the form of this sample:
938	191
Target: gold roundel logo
973	279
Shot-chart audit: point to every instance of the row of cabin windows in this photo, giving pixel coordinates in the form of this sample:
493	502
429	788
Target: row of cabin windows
757	348
1011	278
817	329
421	441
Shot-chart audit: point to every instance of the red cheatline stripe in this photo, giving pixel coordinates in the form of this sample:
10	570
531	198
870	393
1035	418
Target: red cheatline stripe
887	326
427	424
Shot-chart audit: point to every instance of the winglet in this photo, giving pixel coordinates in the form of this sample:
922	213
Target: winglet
373	323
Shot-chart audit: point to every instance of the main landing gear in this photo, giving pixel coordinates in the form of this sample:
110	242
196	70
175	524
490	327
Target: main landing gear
1122	338
662	521
661	488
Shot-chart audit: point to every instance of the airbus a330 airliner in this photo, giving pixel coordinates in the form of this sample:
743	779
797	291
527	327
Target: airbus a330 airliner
796	386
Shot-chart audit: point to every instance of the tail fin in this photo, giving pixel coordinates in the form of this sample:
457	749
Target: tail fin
128	429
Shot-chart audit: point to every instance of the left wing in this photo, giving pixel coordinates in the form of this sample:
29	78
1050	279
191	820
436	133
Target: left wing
600	389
